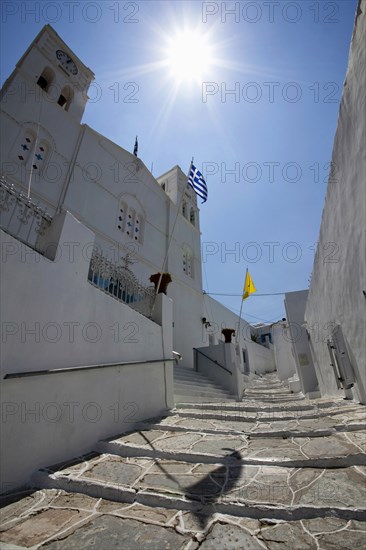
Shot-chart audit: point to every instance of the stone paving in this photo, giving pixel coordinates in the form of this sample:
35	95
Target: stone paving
249	475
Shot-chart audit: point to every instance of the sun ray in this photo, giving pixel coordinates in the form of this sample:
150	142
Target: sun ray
162	118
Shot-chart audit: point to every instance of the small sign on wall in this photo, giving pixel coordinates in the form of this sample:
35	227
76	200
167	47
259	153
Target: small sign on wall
303	359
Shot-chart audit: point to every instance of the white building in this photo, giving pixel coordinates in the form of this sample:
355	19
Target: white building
80	332
335	311
106	188
295	304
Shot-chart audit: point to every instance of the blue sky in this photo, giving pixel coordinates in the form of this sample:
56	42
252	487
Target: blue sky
265	148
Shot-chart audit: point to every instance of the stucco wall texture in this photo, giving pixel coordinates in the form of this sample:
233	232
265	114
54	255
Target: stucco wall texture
339	273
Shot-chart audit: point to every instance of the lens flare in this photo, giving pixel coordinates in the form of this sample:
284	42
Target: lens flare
189	56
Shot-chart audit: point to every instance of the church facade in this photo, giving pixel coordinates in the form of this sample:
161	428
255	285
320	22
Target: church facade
68	166
87	346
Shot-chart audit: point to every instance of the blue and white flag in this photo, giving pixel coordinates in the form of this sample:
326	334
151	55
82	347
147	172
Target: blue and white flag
197	182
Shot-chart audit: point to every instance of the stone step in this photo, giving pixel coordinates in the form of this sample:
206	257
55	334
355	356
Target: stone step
201	397
191	386
335	450
280	387
189	380
197	384
331	407
284	429
253	474
207	386
270	393
230	486
183	400
181	372
184	374
196	392
224	412
54	519
279	399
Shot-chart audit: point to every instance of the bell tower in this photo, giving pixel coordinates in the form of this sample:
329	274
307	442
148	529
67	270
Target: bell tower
184	259
42	104
49	72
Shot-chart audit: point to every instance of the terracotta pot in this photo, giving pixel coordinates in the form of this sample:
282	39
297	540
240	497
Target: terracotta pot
228	334
165	280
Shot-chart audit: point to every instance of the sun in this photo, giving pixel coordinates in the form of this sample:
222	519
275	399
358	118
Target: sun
189	56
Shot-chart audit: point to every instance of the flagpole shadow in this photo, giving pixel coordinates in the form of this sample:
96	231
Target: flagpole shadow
210	489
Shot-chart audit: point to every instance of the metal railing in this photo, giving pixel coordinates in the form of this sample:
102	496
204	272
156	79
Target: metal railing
119	282
20	216
213	361
82	368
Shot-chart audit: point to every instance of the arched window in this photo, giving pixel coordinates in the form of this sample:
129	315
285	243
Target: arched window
122	216
33	148
46	79
130	222
40	155
65	98
137	228
187	261
192	216
184	209
26	146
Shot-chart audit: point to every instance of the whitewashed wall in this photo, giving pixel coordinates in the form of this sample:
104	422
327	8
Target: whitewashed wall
105	174
48	419
225	354
284	359
261	359
339	273
221	317
73	322
52	317
295	303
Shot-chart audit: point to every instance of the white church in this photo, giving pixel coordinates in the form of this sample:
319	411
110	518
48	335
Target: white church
89	346
72	168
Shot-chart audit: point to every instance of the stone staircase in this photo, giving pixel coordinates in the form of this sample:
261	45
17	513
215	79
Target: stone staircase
255	475
271	392
191	386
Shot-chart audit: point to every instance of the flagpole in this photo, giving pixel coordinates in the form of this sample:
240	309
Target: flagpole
241	308
170	241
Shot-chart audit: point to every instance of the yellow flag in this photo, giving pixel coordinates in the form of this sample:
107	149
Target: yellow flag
249	287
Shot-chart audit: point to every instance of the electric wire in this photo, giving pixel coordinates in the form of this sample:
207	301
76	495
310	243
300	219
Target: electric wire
252	295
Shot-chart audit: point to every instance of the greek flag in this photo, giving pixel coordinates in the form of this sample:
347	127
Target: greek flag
197	182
